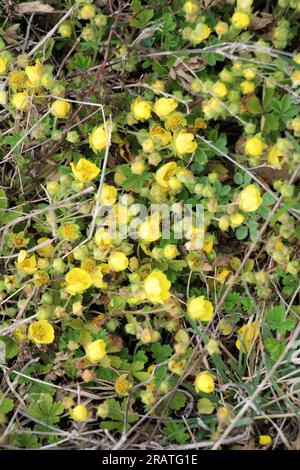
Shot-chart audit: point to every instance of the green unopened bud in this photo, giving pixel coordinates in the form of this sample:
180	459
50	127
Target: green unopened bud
52	187
72	137
103	410
59	266
43	313
112	325
100	20
47	298
65	30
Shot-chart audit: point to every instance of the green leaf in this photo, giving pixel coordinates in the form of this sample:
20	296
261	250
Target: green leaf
274	317
241	232
11	348
45	410
275	348
277	320
178	401
161	352
176	432
26	440
254	106
238	178
270	123
284	108
142	19
136	5
6	405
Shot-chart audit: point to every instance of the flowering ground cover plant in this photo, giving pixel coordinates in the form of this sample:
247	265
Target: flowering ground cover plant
149	220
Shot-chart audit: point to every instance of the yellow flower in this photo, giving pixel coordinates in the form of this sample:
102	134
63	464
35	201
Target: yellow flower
220	89
65	30
222	275
190	8
141	109
204	382
118	261
224	223
98	138
122	214
98	274
295	77
149	230
41	332
250	73
40	278
103	239
240	20
247	87
96	351
84	170
164	106
164	173
69	231
274	157
17	80
47	250
265	440
80	413
184	143
221	28
3	64
195	235
108	195
20	101
18	239
148	145
236	219
123	385
212	108
19	333
255	146
200	33
78	281
176	366
297	58
138	166
295	125
88	264
246	336
175	120
26	265
156	287
200	123
200	309
170	251
250	198
158	85
208	246
160	136
34	73
60	108
87	12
